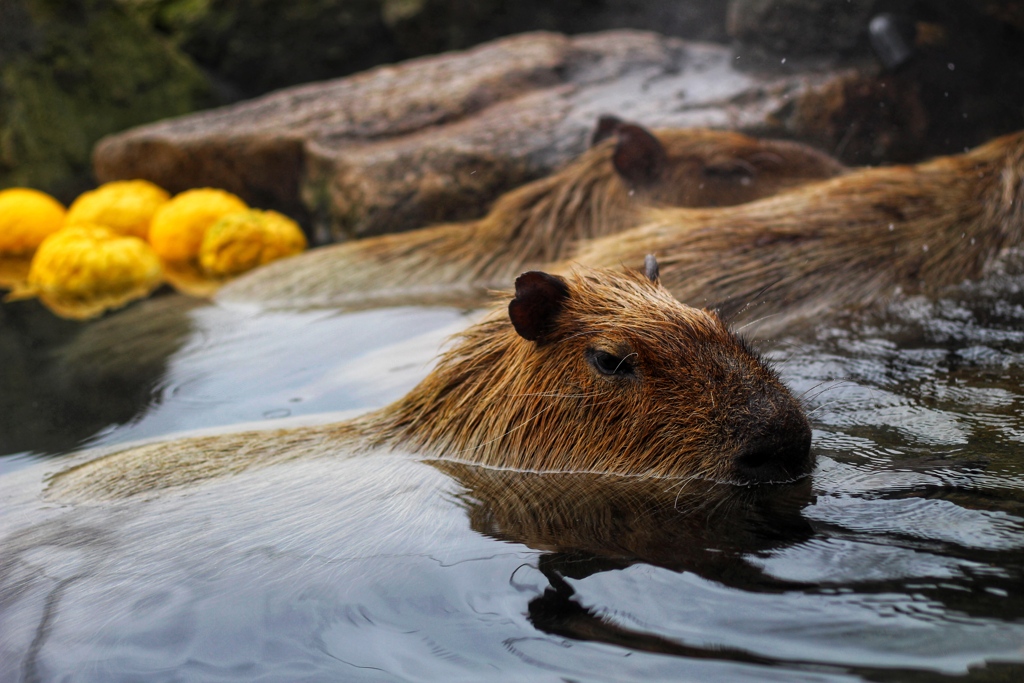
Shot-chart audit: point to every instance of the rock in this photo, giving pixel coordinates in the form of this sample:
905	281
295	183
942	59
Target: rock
797	28
437	138
72	72
936	77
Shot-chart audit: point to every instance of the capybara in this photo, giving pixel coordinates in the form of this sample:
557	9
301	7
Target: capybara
603	192
846	243
593	372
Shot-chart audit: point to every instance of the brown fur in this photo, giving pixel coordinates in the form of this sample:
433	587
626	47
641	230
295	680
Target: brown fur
537	223
847	242
697	403
682	524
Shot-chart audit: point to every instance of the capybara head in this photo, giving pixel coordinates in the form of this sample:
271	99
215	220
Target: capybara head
605	372
697	167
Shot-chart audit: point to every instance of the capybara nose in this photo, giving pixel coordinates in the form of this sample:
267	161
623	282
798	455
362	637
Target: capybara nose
775	451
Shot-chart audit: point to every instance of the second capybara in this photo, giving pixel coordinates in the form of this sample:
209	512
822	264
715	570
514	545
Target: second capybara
627	170
593	372
845	243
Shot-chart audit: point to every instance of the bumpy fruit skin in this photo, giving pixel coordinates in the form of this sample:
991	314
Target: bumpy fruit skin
27	217
83	270
177	230
125	206
241	241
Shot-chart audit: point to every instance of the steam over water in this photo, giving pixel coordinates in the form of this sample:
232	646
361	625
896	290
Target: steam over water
900	559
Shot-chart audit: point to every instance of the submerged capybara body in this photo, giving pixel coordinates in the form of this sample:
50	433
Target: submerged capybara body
603	192
848	242
594	372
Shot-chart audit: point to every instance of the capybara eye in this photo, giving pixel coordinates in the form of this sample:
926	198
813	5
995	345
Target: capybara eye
609	364
735	170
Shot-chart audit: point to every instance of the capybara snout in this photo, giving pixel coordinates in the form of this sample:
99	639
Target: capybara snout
775	445
739	406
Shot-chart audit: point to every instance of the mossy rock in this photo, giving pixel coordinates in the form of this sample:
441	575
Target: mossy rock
254	46
72	71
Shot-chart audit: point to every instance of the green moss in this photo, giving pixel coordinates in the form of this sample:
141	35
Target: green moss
169	15
394	11
84	69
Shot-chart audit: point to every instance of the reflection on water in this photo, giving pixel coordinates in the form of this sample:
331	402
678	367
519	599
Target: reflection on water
29	413
173	363
901	559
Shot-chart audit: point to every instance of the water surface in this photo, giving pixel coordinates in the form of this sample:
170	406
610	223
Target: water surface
900	559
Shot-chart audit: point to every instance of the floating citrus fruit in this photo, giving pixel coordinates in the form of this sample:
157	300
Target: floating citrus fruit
125	206
84	270
177	230
241	241
27	217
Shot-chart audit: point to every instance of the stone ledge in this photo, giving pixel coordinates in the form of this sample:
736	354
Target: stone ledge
437	138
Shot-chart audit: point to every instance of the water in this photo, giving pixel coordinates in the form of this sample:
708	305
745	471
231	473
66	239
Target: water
171	364
900	559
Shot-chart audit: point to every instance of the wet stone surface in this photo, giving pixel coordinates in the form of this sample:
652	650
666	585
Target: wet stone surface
398	147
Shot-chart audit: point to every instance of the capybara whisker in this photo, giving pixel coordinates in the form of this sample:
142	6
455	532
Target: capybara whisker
822	383
789	345
824	405
555	395
757	321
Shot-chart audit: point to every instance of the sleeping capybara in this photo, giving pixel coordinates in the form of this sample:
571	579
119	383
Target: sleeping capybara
848	242
593	372
603	192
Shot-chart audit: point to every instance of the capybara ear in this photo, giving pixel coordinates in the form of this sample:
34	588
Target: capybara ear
639	157
606	127
539	299
651	269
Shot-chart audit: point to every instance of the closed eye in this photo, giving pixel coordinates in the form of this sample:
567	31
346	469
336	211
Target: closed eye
734	169
610	364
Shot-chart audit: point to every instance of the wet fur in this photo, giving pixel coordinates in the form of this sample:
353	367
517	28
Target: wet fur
849	242
696	400
537	223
